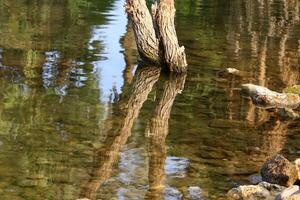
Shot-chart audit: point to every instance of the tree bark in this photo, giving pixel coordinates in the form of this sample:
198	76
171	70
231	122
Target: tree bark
163	12
155	35
144	31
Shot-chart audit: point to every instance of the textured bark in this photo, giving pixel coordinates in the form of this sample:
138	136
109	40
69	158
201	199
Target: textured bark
129	107
155	35
141	20
164	15
157	131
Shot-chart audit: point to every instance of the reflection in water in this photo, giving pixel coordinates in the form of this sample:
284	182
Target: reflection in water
157	132
63	121
129	106
272	35
110	68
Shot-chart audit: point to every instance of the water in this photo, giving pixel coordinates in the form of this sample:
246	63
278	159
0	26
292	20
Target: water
79	118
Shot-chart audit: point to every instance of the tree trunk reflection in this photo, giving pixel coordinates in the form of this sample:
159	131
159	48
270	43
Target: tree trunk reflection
158	129
128	109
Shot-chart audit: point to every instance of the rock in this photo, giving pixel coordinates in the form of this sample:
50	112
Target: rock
288	193
297	163
255	179
279	170
248	192
295	196
273	188
195	193
230	71
286	114
172	193
266	98
262	191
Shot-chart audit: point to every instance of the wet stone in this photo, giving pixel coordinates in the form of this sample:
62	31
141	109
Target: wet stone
279	170
255	179
262	191
195	193
172	193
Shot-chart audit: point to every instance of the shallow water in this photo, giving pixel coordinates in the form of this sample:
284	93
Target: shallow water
79	118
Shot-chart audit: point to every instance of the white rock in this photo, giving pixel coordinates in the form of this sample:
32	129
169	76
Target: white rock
262	191
288	192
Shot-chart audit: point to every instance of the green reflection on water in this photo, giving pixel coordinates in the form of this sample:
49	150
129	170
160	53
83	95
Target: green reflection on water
60	140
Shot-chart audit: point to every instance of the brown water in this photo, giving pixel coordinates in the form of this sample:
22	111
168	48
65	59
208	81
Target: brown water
78	118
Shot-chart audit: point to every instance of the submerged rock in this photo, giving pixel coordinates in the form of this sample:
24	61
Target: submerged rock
262	191
195	193
279	170
230	71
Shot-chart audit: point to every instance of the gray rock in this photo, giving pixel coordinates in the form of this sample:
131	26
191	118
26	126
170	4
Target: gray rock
195	193
255	179
273	188
278	170
172	193
262	191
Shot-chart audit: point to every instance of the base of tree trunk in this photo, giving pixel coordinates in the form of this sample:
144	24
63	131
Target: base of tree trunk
155	34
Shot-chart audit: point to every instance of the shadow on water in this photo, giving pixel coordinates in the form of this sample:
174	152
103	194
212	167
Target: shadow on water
79	118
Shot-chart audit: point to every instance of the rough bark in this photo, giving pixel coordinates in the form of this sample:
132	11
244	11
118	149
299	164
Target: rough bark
155	35
163	12
145	36
264	97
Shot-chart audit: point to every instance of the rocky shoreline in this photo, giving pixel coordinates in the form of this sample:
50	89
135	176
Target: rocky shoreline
280	181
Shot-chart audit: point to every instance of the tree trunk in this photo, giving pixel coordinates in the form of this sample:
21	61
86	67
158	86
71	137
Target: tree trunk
164	15
155	35
144	31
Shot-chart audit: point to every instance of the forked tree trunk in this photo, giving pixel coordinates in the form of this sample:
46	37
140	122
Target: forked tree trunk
129	107
157	131
155	35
